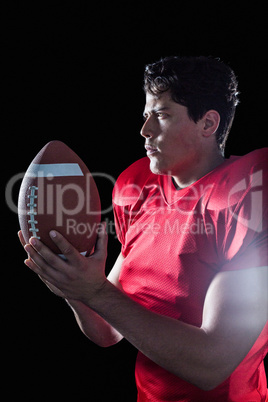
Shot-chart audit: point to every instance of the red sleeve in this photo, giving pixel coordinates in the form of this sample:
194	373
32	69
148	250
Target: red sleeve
121	224
245	241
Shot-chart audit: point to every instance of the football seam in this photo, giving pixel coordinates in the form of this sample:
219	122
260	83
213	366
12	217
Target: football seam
32	212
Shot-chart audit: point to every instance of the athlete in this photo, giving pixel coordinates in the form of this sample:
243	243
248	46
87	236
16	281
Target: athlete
189	288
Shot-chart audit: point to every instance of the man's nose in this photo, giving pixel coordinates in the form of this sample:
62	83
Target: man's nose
147	128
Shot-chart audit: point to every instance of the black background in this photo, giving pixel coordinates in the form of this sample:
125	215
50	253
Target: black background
73	72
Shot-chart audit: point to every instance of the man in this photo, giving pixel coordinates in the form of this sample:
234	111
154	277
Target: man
189	288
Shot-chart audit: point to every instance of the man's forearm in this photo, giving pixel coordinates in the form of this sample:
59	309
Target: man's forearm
178	347
203	356
93	325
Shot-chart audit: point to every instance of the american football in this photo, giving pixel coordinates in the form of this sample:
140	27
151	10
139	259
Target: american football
58	192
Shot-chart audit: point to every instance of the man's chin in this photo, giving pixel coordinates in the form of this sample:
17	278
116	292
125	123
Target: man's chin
156	168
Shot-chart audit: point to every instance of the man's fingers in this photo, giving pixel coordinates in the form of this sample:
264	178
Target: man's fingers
101	244
65	247
23	242
39	254
44	262
73	275
49	256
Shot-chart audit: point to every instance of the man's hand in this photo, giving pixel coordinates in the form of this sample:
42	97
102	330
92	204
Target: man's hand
53	289
77	277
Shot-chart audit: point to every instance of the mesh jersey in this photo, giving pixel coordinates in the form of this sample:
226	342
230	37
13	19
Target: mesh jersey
175	242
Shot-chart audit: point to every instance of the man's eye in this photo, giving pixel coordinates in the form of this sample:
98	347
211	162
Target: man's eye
161	115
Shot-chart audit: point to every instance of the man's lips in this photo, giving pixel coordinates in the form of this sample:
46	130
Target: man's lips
150	149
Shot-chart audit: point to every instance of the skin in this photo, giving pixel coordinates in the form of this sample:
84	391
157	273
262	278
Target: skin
185	150
235	309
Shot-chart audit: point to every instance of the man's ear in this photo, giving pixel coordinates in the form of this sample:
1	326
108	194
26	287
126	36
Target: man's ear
211	121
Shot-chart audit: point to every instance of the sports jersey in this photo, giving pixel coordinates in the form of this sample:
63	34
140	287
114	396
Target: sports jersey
174	243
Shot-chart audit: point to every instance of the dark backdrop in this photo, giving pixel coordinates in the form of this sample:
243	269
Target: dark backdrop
74	72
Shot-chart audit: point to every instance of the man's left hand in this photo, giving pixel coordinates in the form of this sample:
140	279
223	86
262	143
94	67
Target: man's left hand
77	277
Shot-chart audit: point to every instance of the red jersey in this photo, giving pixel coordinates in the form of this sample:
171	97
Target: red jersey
175	242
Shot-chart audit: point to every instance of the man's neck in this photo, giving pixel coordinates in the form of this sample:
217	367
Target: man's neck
185	179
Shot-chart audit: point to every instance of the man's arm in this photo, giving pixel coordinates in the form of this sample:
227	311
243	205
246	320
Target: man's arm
235	312
91	323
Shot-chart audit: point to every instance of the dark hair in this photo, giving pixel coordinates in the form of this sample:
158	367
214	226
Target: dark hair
199	83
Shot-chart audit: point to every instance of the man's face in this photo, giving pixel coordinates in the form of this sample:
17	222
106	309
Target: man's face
172	138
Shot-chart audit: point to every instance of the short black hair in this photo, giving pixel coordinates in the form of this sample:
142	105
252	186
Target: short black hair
200	83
